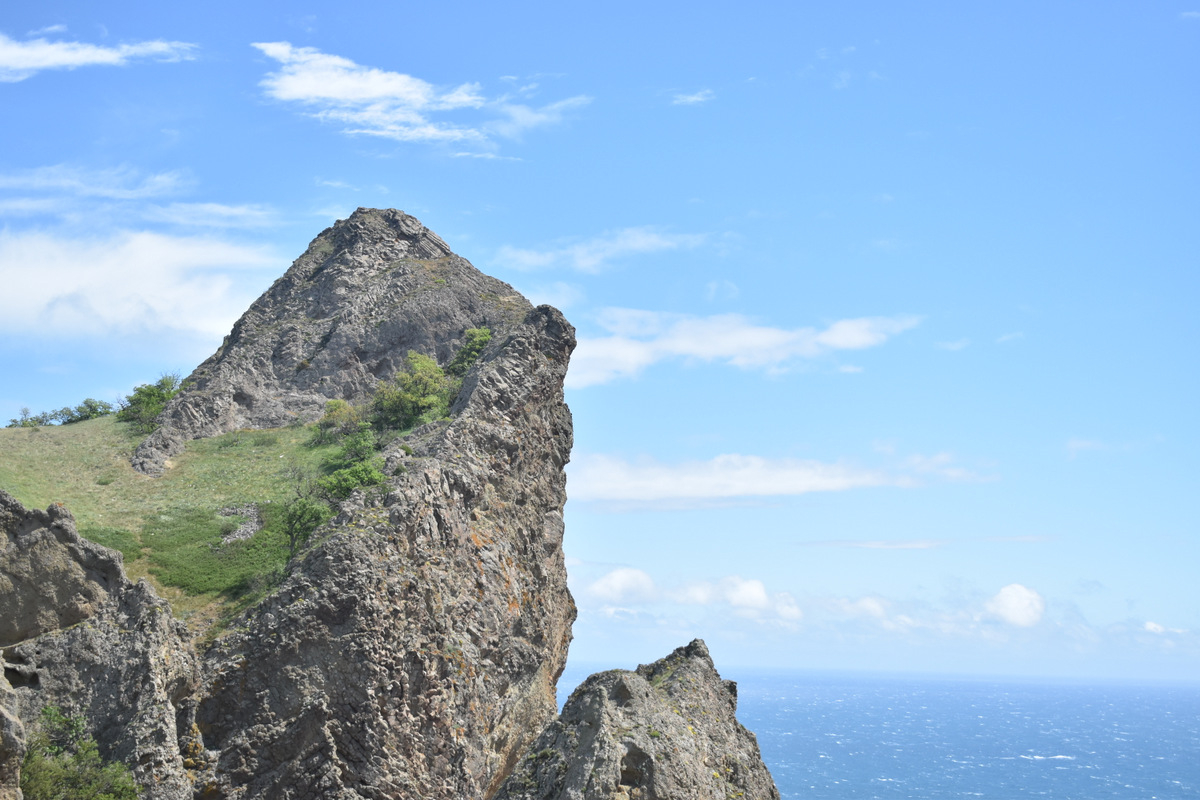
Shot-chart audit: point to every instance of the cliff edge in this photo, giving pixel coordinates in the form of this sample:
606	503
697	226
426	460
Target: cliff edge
413	647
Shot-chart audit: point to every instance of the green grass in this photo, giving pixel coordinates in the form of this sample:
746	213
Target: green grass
168	528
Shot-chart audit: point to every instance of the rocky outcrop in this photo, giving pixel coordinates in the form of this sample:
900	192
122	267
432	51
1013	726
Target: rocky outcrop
12	743
413	649
84	638
665	732
342	318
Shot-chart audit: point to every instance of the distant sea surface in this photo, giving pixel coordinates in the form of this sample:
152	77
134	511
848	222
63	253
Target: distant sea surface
859	737
888	738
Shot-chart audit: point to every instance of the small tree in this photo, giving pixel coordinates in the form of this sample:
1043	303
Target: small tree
141	409
302	516
420	393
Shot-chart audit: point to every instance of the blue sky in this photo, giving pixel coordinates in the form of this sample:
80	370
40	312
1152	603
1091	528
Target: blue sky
886	314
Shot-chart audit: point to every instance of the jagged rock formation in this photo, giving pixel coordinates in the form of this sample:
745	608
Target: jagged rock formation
665	732
12	743
76	633
414	652
413	649
365	292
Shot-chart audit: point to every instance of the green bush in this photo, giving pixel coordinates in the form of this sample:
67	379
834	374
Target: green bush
301	517
340	418
475	339
88	409
141	409
341	484
420	393
61	763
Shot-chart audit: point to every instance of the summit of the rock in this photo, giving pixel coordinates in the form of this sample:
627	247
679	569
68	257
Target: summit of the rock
366	291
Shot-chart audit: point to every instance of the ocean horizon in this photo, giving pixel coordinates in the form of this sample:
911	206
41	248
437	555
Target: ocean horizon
835	736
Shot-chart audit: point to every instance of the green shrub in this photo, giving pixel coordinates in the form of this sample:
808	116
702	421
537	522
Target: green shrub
340	418
141	409
358	446
420	393
341	484
61	763
475	339
301	517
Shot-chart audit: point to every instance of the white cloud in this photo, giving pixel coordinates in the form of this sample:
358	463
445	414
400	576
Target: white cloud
746	597
954	346
60	28
842	81
1017	605
941	465
593	255
1010	337
558	294
519	118
624	585
212	215
1189	15
721	290
127	282
120	183
609	478
641	338
21	60
850	369
393	105
702	96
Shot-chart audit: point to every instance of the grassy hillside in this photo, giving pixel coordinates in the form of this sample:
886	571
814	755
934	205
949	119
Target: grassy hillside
168	528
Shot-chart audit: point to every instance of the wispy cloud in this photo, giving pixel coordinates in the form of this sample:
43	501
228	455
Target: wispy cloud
1076	446
955	346
120	183
697	483
1190	15
1010	337
842	80
593	255
721	290
642	338
127	282
880	544
21	60
702	96
746	597
375	102
212	215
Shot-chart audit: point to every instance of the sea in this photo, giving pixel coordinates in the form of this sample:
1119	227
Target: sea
831	736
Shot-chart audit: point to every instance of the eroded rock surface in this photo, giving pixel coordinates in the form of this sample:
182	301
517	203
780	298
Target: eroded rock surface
668	731
86	639
365	292
415	650
12	743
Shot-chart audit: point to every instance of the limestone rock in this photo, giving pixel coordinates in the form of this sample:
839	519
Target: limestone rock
12	744
86	639
364	293
665	732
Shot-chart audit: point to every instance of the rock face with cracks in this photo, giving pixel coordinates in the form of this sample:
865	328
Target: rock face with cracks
665	732
77	634
413	648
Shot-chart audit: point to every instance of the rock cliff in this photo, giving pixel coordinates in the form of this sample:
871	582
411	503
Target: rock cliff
412	650
667	730
76	633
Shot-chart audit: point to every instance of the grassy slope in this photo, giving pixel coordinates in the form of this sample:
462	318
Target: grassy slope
168	528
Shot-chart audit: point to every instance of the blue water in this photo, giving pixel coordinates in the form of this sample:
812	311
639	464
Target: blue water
864	738
829	737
